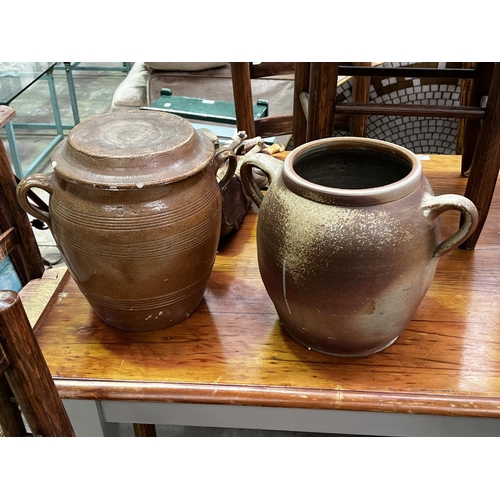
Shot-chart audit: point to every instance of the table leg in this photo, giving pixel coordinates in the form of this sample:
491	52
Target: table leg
43	157
14	151
72	95
55	103
87	419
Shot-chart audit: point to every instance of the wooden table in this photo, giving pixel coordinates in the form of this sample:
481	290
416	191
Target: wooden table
231	364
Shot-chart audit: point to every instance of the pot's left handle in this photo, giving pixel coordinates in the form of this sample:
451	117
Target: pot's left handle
223	156
271	167
42	181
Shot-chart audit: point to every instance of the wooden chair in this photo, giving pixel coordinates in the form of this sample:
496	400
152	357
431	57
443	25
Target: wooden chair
26	377
242	74
316	106
17	239
25	380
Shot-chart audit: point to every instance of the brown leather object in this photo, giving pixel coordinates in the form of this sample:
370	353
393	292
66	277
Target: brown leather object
235	204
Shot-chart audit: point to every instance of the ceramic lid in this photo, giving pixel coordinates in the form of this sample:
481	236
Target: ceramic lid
132	148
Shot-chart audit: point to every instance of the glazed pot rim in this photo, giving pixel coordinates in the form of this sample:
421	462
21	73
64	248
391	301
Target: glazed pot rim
352	197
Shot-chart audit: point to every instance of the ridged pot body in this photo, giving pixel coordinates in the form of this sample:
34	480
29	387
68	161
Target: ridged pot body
348	268
142	257
135	209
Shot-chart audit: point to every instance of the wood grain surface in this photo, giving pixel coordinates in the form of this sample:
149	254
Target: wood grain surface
233	350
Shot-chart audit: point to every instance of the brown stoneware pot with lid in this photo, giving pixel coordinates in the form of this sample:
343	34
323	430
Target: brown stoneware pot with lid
135	209
348	240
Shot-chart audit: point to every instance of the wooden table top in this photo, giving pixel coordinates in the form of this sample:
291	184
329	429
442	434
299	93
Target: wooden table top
233	350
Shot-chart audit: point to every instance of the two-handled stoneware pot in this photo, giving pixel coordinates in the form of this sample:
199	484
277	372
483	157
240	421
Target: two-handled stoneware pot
348	240
135	209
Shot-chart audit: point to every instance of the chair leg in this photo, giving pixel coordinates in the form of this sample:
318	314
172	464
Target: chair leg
29	263
11	421
322	97
28	374
469	129
144	430
360	93
242	93
301	84
486	161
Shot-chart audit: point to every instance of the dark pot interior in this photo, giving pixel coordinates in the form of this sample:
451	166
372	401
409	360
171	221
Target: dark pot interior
351	168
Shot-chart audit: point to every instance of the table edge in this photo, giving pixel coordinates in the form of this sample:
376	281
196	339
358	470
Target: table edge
282	397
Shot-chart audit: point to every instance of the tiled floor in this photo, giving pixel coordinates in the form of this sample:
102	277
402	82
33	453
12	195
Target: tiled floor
94	91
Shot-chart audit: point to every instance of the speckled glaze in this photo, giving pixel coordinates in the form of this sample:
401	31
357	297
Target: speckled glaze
135	209
347	268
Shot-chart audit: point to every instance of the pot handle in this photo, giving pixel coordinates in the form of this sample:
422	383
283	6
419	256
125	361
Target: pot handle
270	166
223	155
439	204
42	181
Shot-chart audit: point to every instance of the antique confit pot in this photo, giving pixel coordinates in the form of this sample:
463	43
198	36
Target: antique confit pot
135	209
348	240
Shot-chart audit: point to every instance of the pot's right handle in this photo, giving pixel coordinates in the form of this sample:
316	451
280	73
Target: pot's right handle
436	205
42	181
270	166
